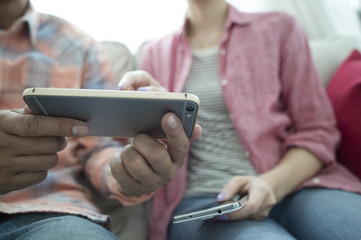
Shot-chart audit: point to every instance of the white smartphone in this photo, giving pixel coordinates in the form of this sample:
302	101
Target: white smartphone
211	212
115	113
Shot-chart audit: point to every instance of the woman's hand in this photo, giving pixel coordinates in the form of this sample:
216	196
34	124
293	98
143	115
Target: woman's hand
261	197
265	190
141	81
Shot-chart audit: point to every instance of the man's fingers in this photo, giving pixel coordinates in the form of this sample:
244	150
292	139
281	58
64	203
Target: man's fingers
137	79
27	110
147	164
197	133
155	153
34	125
125	180
35	145
34	163
142	170
177	140
23	180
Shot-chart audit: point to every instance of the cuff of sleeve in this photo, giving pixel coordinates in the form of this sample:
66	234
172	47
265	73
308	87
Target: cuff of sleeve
322	152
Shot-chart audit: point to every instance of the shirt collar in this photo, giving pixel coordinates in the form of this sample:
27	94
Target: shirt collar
29	21
233	17
236	17
31	17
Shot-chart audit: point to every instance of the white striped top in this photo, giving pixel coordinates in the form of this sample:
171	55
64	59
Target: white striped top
218	154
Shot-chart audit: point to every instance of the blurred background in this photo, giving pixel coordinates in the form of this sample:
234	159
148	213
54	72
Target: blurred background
134	21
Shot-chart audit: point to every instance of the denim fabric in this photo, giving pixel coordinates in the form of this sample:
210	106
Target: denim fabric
320	213
50	226
312	213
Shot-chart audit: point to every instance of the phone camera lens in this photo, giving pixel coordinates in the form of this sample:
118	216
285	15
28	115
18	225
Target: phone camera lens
190	108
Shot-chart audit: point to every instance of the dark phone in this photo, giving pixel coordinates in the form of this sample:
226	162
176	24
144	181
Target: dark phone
115	113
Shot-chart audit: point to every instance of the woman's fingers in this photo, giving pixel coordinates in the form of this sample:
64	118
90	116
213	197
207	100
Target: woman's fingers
261	198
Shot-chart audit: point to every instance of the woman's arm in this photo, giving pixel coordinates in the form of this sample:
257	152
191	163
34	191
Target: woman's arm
295	167
265	190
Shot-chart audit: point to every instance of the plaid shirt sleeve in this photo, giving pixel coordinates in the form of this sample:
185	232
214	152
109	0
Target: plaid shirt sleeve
39	50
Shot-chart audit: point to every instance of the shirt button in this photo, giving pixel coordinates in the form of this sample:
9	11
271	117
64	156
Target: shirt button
316	180
246	153
223	52
224	82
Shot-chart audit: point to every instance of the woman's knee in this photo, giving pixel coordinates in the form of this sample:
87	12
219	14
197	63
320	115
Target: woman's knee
320	213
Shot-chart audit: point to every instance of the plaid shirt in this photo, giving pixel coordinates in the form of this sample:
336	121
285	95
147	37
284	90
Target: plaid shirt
39	50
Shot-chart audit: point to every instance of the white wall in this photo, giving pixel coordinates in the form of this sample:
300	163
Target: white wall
321	18
127	21
130	21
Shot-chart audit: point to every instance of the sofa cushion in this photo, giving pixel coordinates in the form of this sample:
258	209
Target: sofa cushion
344	91
120	58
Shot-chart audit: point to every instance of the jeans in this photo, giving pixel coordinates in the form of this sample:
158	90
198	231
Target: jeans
310	214
50	226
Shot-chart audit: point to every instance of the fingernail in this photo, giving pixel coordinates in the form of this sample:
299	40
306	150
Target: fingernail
221	197
120	86
222	217
172	122
144	89
80	131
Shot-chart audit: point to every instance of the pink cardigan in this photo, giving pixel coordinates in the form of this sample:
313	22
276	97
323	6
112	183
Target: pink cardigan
272	92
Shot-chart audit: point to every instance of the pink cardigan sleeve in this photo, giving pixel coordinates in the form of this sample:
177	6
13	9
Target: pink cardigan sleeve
146	60
306	99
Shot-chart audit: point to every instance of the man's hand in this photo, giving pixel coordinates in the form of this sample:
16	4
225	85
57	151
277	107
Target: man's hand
29	146
147	164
